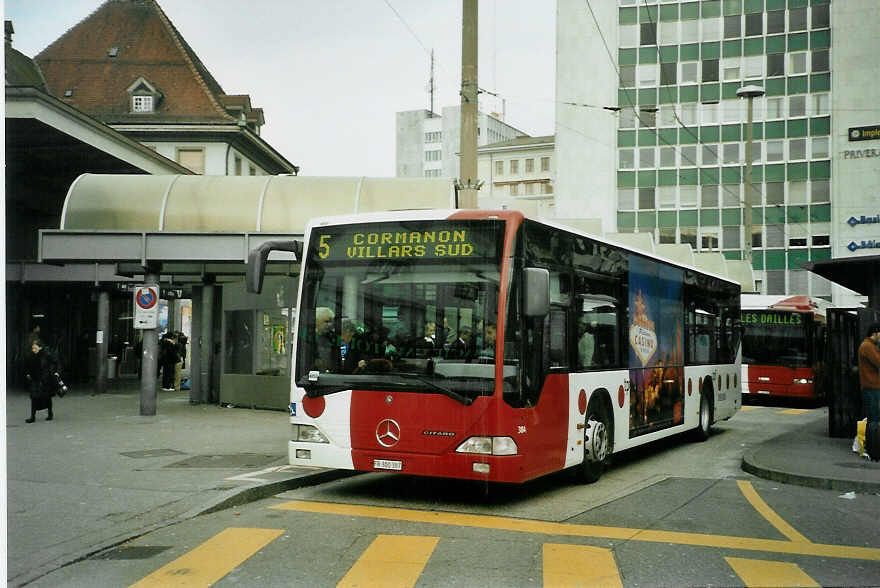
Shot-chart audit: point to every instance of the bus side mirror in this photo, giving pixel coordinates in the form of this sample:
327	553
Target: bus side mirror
257	257
536	290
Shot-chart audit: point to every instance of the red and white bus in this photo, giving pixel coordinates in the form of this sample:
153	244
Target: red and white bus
783	346
484	345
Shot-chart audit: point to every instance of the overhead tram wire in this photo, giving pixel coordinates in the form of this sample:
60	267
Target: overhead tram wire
418	39
678	120
498	95
627	94
409	28
636	110
726	190
620	81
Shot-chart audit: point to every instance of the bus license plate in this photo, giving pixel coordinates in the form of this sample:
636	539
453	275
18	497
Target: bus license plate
388	464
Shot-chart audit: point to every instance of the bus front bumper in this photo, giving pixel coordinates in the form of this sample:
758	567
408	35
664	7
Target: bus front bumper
467	466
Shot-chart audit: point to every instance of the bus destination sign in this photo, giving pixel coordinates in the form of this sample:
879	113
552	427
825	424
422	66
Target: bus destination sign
398	242
770	318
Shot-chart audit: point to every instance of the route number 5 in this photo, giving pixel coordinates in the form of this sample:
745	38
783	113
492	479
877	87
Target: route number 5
324	246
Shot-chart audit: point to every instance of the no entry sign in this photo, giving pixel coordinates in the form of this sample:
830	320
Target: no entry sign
146	307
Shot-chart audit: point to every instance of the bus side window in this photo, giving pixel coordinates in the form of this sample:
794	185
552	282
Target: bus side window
597	323
557	338
703	336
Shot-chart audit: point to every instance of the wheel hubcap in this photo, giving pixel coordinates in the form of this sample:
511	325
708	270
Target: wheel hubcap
597	442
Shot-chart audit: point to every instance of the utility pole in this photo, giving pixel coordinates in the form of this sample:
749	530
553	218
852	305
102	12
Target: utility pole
750	93
431	86
467	183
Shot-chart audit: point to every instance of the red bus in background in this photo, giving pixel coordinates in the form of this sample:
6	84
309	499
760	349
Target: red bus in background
783	346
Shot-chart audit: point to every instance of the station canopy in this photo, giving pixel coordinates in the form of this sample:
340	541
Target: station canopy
198	225
860	274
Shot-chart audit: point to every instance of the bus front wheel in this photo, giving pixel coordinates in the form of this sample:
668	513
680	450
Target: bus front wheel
704	428
598	442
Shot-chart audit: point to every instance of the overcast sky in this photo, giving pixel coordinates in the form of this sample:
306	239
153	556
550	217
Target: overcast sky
330	74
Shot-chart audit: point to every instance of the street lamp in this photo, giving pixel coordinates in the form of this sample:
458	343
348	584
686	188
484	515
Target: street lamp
749	92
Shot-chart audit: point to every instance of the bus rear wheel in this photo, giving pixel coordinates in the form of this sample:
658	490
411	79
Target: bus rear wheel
598	442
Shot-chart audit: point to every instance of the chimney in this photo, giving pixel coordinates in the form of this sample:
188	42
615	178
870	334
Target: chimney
9	31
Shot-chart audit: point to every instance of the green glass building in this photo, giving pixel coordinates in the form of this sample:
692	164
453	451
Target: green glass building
680	136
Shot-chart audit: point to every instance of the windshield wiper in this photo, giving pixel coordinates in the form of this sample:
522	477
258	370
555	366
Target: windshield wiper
332	385
466	400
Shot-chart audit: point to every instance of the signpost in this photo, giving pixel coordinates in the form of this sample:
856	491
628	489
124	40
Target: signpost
146	307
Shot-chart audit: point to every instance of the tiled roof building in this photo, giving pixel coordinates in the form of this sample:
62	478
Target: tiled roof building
127	65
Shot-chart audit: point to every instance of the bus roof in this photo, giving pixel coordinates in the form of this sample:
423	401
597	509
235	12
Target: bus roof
798	303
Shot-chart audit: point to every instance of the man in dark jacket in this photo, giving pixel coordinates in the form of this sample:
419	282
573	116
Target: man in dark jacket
41	374
462	348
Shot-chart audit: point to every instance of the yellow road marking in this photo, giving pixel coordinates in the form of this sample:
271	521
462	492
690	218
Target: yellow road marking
579	565
392	561
571	530
211	560
768	513
793	411
747	408
756	572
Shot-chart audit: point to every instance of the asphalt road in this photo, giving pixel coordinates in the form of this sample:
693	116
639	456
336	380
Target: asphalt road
679	513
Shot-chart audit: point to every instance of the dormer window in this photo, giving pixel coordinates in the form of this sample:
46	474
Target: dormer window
142	104
143	97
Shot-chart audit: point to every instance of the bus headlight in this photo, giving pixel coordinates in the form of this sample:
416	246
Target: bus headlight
802	381
488	446
308	434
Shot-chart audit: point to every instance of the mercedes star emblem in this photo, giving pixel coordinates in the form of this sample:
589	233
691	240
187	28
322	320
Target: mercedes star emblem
388	433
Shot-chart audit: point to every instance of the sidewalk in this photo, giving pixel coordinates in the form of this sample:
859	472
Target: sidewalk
100	474
807	456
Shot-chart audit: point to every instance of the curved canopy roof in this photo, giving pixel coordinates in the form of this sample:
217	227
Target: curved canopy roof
191	226
210	204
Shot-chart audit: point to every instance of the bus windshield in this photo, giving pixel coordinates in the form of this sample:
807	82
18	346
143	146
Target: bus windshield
395	307
776	344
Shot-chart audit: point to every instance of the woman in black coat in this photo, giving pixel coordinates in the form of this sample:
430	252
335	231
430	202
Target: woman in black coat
41	375
168	359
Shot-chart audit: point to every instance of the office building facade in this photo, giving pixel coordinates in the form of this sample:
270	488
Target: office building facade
428	144
653	117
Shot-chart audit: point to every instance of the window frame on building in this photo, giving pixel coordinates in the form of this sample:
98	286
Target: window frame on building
181	155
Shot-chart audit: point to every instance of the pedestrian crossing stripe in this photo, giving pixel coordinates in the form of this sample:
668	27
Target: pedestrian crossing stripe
213	559
391	561
756	572
575	530
397	561
579	565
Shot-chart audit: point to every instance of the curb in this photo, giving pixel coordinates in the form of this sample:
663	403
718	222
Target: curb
240	496
235	497
749	465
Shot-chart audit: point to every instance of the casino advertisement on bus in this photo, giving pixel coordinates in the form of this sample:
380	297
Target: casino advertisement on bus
656	355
